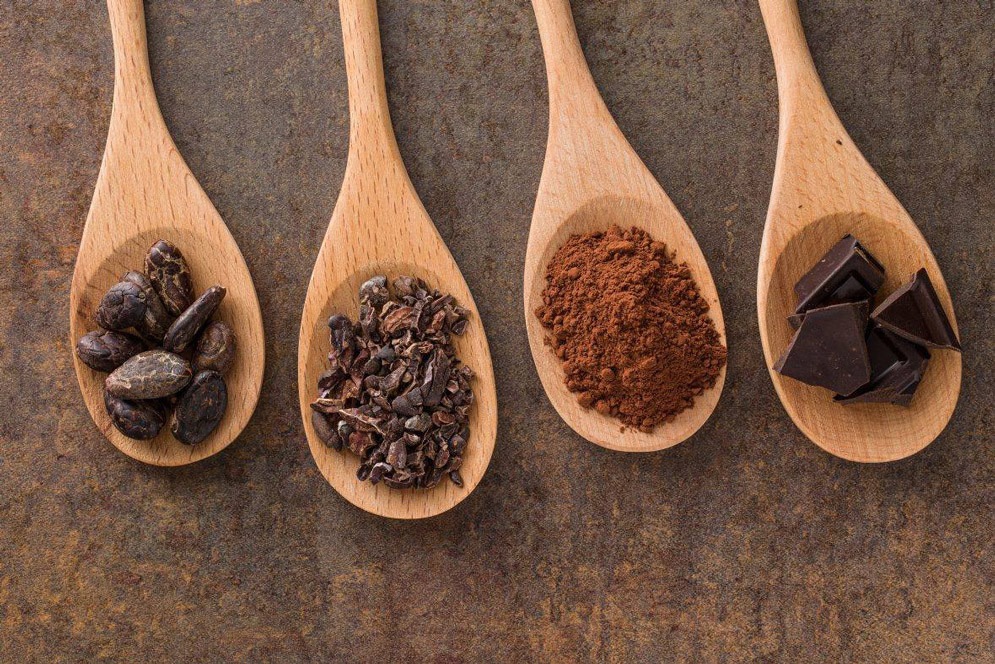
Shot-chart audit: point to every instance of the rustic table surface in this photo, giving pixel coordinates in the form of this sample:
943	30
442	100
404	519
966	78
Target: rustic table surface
746	543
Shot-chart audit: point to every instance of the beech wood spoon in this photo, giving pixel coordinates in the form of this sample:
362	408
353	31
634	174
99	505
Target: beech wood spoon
379	226
824	188
145	192
592	179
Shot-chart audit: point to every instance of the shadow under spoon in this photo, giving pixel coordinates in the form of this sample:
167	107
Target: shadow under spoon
592	179
379	226
823	189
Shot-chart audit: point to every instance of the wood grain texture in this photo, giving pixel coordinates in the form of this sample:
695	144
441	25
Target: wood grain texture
379	226
824	188
145	192
592	179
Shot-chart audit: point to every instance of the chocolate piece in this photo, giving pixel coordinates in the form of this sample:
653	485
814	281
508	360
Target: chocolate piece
795	320
847	272
829	349
914	312
897	367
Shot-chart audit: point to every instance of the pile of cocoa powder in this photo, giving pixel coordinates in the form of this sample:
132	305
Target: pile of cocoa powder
630	326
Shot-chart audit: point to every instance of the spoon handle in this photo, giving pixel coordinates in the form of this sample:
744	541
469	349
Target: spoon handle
369	115
573	94
798	84
133	90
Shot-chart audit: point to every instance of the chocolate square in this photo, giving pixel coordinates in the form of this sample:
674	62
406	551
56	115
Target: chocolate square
914	312
829	349
847	272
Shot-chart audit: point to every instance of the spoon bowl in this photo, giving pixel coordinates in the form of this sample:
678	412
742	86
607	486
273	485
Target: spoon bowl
593	179
823	189
598	215
379	226
145	192
859	432
340	468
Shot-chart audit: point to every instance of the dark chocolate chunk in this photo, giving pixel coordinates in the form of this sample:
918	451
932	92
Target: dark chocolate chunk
795	320
829	349
914	312
847	272
897	367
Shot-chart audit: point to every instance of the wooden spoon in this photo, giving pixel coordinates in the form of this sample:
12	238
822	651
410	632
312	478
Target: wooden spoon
379	226
592	179
823	189
145	192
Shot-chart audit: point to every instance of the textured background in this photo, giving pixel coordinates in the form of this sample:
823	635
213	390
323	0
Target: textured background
746	543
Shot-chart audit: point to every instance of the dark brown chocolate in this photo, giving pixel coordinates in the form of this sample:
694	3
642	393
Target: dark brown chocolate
847	272
897	368
829	349
795	320
914	312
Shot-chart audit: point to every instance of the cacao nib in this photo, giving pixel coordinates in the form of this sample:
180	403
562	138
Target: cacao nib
395	394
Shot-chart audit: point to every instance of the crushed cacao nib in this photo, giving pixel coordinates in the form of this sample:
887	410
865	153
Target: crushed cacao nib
395	394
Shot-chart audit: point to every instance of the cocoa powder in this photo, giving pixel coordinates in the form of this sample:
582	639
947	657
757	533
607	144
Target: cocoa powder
630	326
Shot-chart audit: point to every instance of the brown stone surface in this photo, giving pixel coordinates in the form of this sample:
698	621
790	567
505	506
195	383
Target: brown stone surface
746	543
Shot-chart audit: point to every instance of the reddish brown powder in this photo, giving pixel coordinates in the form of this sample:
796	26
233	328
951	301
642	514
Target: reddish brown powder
630	326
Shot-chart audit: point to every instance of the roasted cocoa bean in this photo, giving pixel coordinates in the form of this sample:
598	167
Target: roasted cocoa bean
200	408
141	420
185	327
149	375
122	307
157	318
216	348
170	276
106	351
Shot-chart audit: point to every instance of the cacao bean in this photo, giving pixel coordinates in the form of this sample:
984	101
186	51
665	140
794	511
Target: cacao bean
200	408
157	318
170	276
141	420
106	351
216	348
149	375
122	307
185	327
